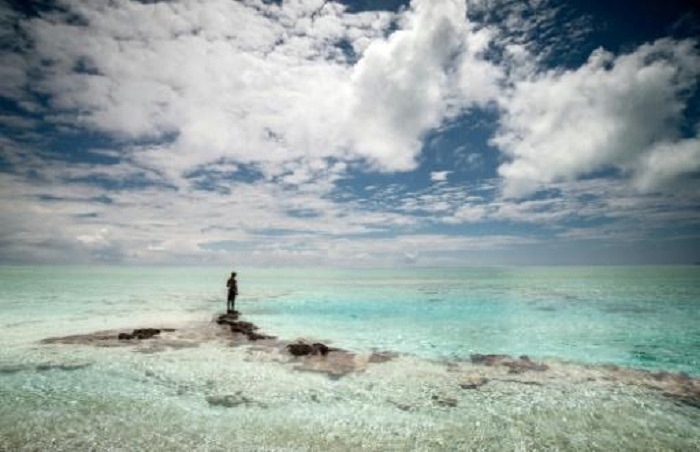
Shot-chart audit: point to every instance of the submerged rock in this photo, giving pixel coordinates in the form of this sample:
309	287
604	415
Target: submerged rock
382	357
449	402
678	386
230	400
318	357
515	365
473	382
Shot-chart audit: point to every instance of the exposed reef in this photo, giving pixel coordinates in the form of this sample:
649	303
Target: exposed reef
480	372
307	356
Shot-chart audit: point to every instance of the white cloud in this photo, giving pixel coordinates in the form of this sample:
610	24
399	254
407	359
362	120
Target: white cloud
666	162
259	83
439	176
200	92
468	214
402	88
613	112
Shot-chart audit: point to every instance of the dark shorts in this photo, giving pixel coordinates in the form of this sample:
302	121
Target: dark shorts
231	296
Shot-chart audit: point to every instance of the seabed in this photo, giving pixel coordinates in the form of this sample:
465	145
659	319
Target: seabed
211	386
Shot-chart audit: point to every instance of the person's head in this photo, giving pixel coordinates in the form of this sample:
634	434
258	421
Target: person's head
233	274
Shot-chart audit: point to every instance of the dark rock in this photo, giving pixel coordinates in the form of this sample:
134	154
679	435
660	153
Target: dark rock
304	349
228	318
319	349
242	327
257	336
299	349
140	333
237	326
145	333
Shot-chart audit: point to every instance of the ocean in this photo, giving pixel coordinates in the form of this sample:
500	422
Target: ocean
617	354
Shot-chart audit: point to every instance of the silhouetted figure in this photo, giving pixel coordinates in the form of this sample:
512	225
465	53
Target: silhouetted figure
232	285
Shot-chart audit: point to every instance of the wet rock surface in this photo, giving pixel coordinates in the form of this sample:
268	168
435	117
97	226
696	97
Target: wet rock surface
237	326
142	333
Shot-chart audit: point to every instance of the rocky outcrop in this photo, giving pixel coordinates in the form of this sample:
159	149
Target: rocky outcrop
239	327
320	358
304	356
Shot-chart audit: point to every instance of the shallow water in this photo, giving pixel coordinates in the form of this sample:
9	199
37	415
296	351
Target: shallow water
72	397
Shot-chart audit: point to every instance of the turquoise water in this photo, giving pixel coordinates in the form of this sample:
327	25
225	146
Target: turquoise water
646	317
68	397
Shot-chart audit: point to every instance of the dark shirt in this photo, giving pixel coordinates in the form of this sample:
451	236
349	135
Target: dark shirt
232	285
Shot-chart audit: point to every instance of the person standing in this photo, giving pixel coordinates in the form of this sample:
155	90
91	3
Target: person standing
232	285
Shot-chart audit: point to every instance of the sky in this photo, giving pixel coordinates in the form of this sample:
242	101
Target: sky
350	133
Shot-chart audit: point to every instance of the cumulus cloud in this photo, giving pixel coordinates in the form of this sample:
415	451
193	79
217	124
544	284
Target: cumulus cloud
622	112
234	129
274	85
666	163
404	86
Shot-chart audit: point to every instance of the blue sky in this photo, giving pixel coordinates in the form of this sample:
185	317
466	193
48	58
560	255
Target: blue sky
368	133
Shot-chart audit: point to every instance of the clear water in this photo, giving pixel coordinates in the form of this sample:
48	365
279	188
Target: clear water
68	397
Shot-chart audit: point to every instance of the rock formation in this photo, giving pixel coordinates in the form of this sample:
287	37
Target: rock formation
237	326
